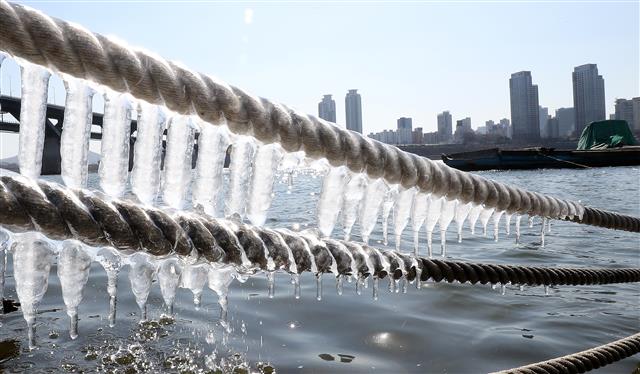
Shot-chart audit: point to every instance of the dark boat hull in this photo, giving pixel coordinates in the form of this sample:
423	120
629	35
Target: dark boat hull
542	158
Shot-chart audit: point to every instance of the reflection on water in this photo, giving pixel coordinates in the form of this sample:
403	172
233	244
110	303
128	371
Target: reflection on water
439	328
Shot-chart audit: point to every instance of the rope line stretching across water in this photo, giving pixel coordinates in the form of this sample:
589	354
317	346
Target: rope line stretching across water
69	49
61	213
584	361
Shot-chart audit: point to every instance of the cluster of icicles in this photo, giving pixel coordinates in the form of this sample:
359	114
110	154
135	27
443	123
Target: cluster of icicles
154	180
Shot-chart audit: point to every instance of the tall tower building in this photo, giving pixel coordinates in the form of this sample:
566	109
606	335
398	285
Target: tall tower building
327	109
445	127
525	116
588	96
353	105
405	129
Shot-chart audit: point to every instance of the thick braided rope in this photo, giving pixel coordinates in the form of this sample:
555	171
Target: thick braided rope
69	49
584	361
62	213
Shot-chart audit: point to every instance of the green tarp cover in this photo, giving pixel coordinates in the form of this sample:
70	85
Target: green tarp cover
606	134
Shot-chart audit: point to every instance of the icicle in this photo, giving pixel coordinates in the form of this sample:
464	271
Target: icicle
74	265
474	214
141	275
178	160
296	285
339	284
496	224
507	222
110	260
147	155
418	215
271	283
433	215
33	114
461	214
5	239
169	274
548	226
546	290
114	146
485	215
32	257
375	287
402	211
373	198
503	289
331	198
76	130
220	278
267	158
544	223
194	278
240	172
530	221
446	216
353	194
389	200
213	142
318	286
518	218
521	288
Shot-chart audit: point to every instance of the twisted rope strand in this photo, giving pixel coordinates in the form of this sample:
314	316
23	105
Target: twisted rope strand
584	361
62	213
69	49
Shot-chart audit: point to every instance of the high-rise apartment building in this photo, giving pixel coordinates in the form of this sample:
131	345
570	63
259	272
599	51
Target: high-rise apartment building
404	131
353	106
566	118
525	115
327	109
588	96
445	127
629	110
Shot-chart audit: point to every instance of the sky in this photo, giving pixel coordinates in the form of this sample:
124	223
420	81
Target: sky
407	59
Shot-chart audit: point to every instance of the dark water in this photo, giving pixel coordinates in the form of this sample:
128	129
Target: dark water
442	328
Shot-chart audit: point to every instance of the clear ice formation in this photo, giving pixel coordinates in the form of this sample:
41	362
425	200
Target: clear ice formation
402	211
169	274
212	151
353	194
5	242
32	258
370	206
76	131
389	200
111	261
114	151
496	224
418	216
219	279
33	111
474	214
446	216
331	197
240	170
485	215
518	219
267	159
142	269
177	161
194	277
147	155
461	214
433	216
74	265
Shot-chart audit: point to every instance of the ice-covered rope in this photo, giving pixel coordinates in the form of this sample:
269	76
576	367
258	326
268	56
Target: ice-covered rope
62	213
584	361
69	49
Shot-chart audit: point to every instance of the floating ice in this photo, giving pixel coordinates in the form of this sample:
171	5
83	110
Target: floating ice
169	274
389	199
433	215
76	131
116	128
370	206
462	212
32	257
240	170
33	114
74	265
141	273
145	176
212	151
353	194
178	160
418	215
267	158
402	211
331	198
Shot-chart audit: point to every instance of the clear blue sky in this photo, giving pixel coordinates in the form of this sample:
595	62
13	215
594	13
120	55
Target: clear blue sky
412	59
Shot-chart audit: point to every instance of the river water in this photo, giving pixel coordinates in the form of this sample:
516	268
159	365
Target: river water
441	328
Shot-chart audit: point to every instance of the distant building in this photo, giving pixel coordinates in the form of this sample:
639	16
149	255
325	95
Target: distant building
417	136
386	136
327	109
525	116
404	130
445	127
566	118
431	137
505	127
588	96
629	110
543	117
482	130
553	128
353	105
463	126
